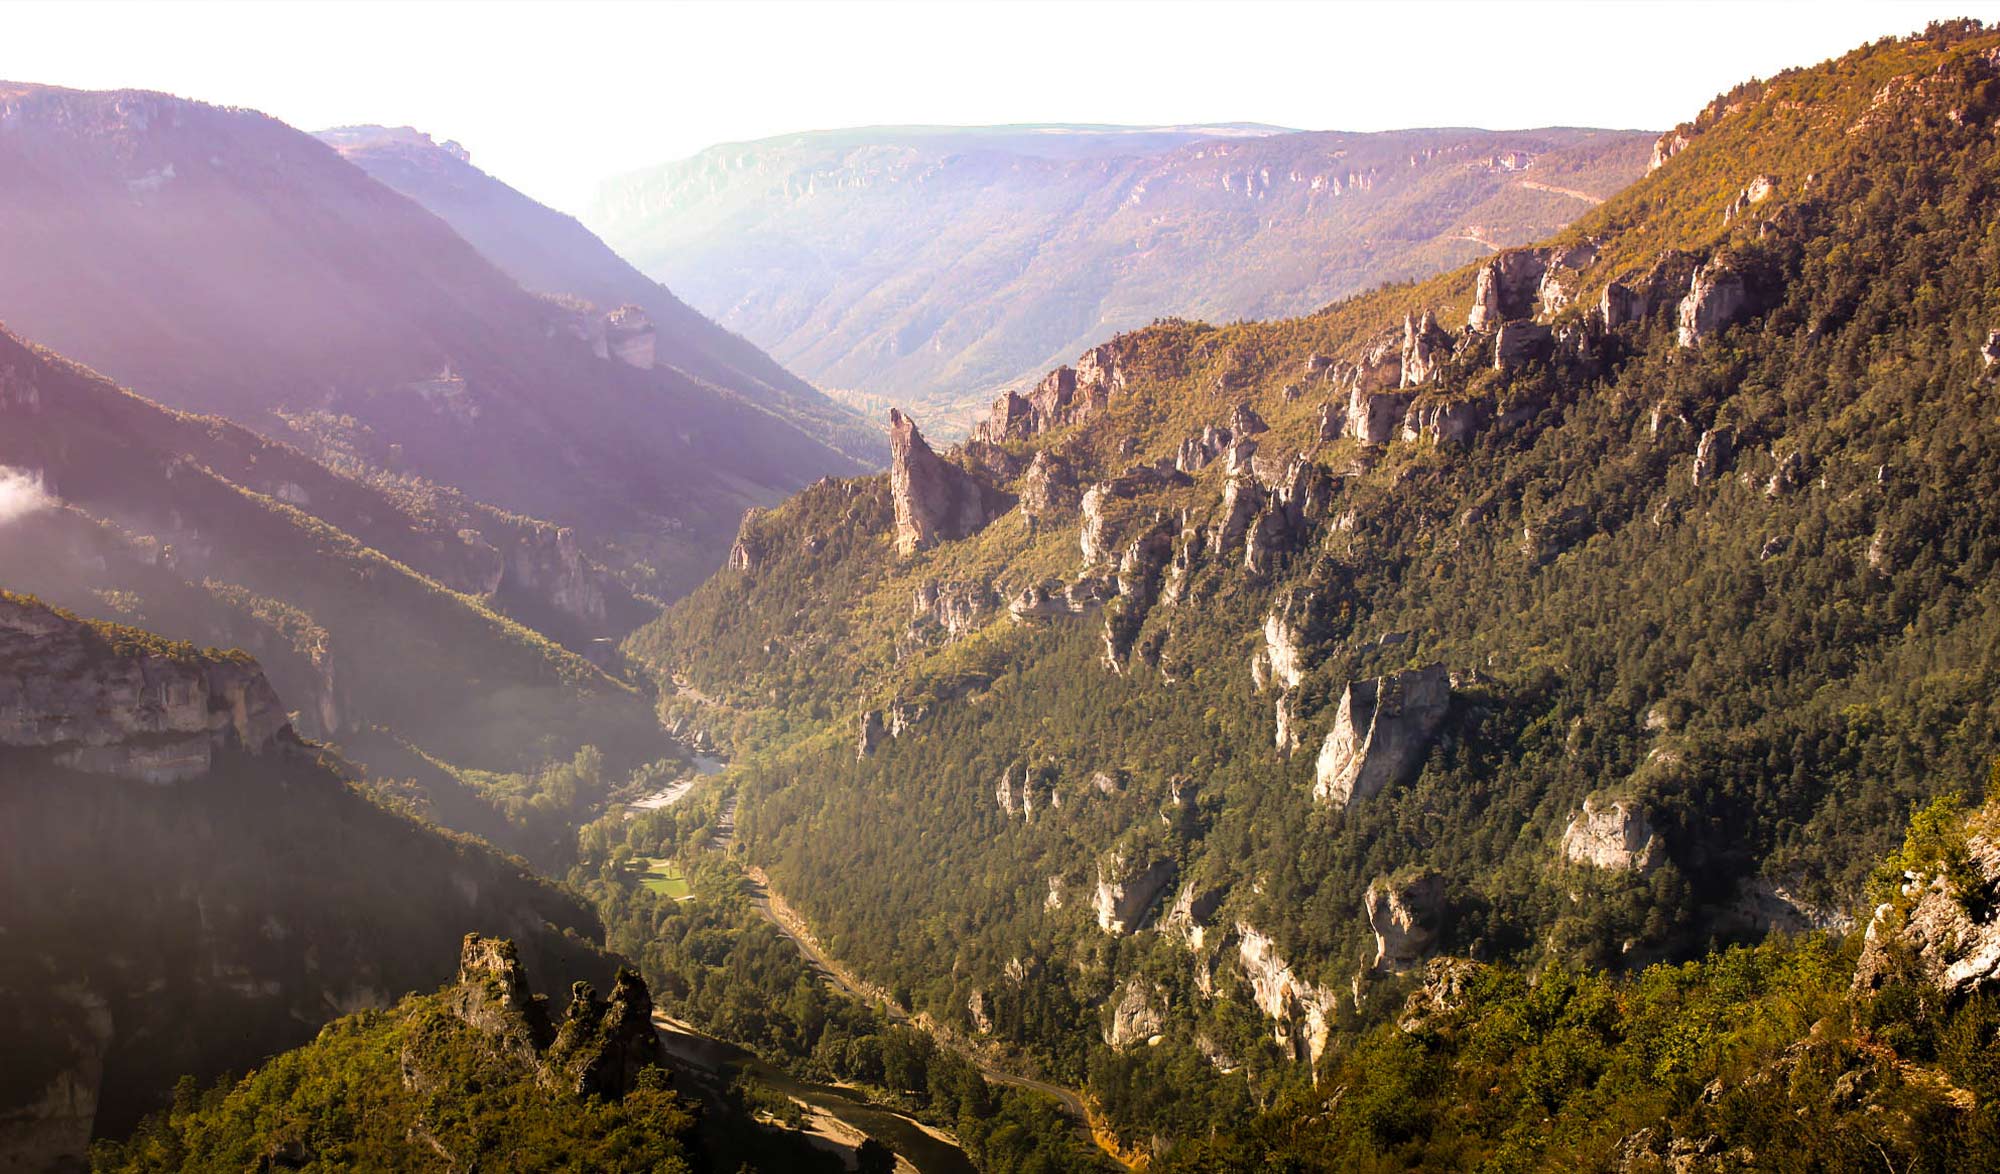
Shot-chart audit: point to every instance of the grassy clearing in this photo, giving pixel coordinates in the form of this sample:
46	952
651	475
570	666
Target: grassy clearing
666	878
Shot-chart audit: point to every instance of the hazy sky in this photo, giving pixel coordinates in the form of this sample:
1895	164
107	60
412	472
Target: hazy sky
555	97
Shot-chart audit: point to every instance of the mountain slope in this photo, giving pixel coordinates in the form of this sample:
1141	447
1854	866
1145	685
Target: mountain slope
219	260
550	253
382	617
932	266
185	887
1246	668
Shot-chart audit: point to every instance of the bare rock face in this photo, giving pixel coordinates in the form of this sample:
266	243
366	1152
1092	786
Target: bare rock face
1331	422
871	735
1515	343
957	606
493	996
1716	297
1947	922
1066	395
1048	600
1048	487
603	1045
1441	995
748	552
1139	1016
1635	296
1667	146
1245	421
1455	422
630	338
107	701
934	499
1127	886
1426	349
1614	836
1292	632
1404	915
1302	1012
1380	734
1507	288
1374	417
1712	454
546	564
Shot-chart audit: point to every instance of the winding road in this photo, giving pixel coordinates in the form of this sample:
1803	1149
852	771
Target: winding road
775	909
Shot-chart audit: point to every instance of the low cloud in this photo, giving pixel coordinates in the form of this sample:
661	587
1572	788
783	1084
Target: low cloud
21	494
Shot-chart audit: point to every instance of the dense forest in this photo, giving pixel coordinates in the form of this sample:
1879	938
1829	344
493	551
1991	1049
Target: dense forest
1732	574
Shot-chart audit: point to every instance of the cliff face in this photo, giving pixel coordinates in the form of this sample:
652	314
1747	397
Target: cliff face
934	499
107	702
197	924
1380	734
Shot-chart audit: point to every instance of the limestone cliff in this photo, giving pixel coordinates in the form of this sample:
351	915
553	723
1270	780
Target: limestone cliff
934	499
109	700
1380	734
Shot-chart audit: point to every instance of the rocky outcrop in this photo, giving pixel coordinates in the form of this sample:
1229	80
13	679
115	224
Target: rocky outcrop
1193	909
1945	923
1292	632
1716	297
1380	734
630	338
108	700
1048	487
603	1045
934	499
1050	599
748	552
1128	882
1427	348
1404	914
1066	395
1244	421
1713	454
1507	288
1516	343
1373	417
1139	1016
957	606
546	564
1446	422
1755	192
1331	423
1302	1012
1635	296
1614	836
1022	787
871	734
492	996
1669	145
598	1050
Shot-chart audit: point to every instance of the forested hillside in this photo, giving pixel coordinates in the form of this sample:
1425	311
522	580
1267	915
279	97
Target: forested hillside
394	622
550	253
931	266
220	261
1167	731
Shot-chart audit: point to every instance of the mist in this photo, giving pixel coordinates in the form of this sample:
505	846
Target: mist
21	494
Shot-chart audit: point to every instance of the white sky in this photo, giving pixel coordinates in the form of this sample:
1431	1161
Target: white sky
554	97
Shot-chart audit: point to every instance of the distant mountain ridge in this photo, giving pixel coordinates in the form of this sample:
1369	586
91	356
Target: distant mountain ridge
935	265
550	253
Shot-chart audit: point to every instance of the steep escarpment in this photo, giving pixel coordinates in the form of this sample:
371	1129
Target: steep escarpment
387	620
1631	587
189	888
934	265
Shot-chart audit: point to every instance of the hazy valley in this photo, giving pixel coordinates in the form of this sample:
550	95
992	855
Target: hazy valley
1421	650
